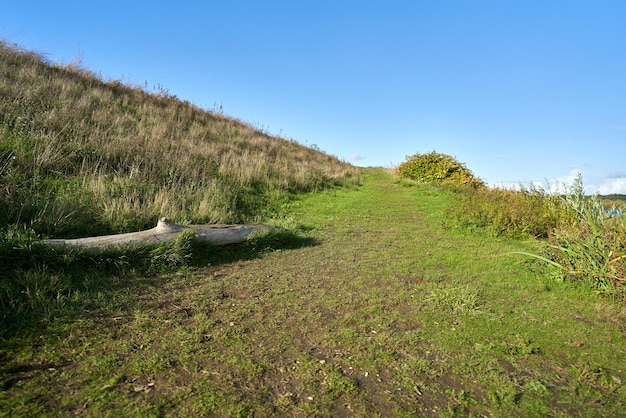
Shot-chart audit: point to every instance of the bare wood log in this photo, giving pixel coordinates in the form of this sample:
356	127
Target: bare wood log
163	232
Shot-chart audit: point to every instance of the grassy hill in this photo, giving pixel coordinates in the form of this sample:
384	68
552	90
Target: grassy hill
82	156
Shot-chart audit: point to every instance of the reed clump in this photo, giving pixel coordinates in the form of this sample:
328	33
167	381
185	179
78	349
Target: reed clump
592	247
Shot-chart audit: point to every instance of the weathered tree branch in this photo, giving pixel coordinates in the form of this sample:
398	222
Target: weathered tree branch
164	231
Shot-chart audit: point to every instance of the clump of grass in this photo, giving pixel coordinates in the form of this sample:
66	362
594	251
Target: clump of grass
593	247
457	299
438	168
41	280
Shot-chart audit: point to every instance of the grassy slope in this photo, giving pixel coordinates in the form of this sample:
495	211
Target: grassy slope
79	156
374	309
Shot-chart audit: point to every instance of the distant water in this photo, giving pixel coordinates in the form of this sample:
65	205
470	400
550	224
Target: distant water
614	212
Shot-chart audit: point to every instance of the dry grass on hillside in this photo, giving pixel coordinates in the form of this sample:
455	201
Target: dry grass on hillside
117	157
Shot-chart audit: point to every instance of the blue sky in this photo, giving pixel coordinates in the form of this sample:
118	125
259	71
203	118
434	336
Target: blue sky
520	91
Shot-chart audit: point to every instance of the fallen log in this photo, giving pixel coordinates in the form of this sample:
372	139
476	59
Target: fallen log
164	231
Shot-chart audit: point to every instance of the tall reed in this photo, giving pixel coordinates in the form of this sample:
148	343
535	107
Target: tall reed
592	248
591	245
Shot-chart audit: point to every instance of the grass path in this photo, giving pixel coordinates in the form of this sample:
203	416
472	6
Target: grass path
384	312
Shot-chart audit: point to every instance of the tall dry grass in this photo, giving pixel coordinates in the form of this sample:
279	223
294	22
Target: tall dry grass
79	156
516	213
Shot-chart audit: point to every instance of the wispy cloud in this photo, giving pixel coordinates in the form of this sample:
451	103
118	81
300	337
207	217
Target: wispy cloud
617	175
356	157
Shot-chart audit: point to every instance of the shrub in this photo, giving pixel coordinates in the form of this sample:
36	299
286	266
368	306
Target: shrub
438	168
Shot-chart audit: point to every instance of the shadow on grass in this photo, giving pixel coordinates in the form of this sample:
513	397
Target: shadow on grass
40	284
207	254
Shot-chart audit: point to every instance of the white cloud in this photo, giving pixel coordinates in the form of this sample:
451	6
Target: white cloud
614	183
613	186
356	157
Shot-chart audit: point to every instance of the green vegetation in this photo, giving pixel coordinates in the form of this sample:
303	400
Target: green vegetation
591	247
374	307
586	235
381	297
514	213
80	157
585	241
439	169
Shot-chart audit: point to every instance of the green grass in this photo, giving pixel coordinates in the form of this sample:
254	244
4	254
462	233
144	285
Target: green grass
371	305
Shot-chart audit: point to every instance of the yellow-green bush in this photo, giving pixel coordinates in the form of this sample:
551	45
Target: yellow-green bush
438	168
